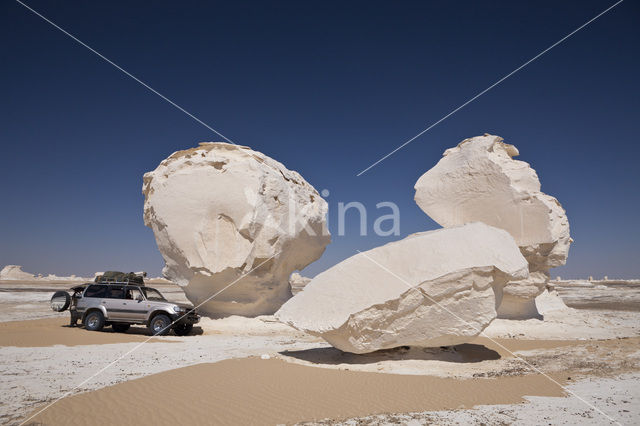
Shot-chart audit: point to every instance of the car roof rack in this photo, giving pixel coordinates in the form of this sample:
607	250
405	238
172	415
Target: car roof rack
114	282
117	277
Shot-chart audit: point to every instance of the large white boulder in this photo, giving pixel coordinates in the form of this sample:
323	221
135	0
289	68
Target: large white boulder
14	273
480	181
233	221
430	289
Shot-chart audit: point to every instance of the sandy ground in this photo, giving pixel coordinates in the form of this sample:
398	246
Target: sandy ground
562	322
597	351
257	391
30	376
617	398
56	331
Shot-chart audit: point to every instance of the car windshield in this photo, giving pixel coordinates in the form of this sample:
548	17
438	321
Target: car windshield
152	293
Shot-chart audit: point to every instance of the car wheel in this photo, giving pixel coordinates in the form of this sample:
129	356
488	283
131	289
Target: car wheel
120	327
182	329
160	325
94	321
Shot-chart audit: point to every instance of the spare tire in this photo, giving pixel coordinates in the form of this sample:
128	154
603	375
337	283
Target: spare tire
60	301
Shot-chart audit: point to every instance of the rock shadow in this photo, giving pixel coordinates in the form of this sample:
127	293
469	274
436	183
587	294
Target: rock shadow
464	353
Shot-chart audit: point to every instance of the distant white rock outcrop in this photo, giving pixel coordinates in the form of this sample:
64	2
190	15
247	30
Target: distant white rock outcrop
298	282
234	223
430	289
15	273
480	181
53	277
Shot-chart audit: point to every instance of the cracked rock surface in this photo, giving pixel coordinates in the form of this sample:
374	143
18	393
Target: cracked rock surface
479	180
433	288
220	211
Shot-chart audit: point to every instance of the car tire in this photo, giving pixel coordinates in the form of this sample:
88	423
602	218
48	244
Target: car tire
94	321
60	301
120	327
160	325
182	329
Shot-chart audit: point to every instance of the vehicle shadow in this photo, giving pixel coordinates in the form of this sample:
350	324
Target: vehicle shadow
140	330
464	353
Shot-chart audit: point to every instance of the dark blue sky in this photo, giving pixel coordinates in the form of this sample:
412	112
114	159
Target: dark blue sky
326	88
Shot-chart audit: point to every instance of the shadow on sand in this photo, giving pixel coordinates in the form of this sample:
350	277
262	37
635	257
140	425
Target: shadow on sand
465	353
139	330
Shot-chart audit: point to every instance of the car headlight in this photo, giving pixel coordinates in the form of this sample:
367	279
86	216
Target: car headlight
178	309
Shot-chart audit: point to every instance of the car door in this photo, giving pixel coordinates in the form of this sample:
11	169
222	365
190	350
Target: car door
115	303
93	297
136	304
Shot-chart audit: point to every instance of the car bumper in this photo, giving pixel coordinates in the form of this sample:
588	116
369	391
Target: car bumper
190	318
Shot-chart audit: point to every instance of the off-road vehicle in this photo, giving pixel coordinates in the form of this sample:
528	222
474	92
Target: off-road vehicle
119	300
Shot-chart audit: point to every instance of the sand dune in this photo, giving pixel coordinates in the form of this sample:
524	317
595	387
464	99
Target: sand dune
257	391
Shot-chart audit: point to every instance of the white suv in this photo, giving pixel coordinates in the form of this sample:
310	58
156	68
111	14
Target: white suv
120	304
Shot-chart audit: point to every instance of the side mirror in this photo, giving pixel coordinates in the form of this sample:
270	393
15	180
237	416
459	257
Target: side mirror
139	298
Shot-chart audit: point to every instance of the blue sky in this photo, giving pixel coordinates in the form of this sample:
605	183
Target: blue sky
326	88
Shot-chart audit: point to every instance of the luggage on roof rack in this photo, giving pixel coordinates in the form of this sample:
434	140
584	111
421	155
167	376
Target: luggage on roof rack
113	277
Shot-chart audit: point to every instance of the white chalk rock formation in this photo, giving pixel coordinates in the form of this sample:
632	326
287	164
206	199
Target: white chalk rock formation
232	220
480	181
15	273
298	282
53	277
430	289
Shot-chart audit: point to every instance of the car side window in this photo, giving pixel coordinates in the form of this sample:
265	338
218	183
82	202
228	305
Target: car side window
133	293
96	291
115	292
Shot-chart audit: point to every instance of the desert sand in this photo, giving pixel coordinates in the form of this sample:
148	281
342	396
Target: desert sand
219	376
257	391
56	331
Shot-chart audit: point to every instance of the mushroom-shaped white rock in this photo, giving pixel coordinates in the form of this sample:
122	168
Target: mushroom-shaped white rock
233	223
430	289
480	181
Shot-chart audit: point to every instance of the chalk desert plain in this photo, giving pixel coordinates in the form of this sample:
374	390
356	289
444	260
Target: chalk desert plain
579	364
320	213
456	325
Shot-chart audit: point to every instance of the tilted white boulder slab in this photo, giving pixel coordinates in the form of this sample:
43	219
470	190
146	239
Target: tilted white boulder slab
233	221
430	289
480	181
